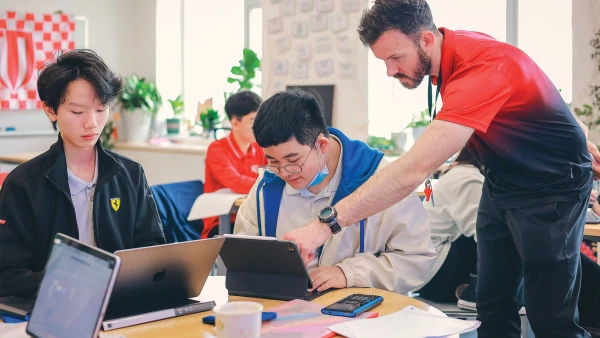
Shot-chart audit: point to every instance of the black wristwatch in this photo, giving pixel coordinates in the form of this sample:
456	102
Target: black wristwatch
328	215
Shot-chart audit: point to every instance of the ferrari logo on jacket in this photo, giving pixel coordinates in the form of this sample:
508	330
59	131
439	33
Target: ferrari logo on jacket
115	203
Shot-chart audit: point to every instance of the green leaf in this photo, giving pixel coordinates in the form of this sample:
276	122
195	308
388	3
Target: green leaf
423	120
237	70
246	70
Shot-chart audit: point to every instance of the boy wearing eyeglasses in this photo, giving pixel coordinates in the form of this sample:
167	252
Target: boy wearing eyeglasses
311	167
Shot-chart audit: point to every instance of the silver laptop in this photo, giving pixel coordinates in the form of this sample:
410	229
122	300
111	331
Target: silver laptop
162	276
74	292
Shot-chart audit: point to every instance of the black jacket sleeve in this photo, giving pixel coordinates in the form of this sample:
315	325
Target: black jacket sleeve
17	242
148	227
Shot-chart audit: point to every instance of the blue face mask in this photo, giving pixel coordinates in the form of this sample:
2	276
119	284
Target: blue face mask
320	175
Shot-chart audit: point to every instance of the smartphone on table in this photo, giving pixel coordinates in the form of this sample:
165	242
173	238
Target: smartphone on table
352	305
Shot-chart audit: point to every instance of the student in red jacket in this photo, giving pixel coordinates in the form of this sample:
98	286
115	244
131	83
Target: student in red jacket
232	162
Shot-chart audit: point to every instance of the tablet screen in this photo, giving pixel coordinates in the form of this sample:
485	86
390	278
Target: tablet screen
72	292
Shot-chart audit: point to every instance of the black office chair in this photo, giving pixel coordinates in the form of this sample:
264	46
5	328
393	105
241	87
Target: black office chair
220	132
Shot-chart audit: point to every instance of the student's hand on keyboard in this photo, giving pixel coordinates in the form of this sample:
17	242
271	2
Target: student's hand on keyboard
308	238
327	277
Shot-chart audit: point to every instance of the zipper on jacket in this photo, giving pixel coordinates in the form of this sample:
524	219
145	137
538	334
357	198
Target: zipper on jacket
74	216
95	221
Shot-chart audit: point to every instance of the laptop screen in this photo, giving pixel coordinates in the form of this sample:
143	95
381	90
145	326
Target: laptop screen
73	292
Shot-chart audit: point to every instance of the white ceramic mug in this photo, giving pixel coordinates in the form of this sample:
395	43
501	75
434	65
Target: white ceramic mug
238	319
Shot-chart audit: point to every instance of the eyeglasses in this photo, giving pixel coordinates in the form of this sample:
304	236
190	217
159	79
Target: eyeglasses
290	168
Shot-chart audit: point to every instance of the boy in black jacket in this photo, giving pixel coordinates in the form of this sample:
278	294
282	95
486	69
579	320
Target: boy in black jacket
76	187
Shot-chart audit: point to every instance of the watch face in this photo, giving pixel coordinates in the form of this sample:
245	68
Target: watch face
326	212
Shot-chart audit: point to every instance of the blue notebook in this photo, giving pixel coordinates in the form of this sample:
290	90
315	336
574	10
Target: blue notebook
210	320
8	319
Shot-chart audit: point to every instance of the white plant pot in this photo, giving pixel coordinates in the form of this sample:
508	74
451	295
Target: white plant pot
416	132
136	125
400	140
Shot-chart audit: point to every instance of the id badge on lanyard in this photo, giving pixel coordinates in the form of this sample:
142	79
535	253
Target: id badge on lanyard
428	188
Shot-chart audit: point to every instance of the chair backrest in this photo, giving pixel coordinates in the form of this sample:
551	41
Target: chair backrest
221	132
2	178
174	202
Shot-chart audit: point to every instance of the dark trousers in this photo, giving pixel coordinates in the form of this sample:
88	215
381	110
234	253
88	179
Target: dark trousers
456	269
539	246
589	297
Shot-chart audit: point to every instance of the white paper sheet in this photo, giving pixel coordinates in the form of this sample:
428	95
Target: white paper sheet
213	204
13	330
409	322
18	331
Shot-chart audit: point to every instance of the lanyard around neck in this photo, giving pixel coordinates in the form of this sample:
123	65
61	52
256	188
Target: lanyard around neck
430	94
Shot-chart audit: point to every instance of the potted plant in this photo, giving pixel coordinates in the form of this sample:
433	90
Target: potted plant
140	101
108	135
174	123
381	143
246	71
210	119
419	123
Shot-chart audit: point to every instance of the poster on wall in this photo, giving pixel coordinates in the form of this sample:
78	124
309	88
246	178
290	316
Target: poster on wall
350	6
303	51
283	44
287	7
324	6
300	29
278	86
339	22
275	25
323	44
281	67
318	22
346	70
27	41
300	70
324	67
344	43
306	5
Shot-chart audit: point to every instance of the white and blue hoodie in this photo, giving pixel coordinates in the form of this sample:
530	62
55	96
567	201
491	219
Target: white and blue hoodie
391	250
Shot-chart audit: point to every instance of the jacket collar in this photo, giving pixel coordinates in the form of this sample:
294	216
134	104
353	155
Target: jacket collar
447	59
107	165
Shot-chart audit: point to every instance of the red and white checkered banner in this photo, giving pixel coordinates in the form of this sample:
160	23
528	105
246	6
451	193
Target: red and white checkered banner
27	41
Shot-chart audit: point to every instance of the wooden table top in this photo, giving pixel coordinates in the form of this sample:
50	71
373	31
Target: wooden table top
592	231
192	326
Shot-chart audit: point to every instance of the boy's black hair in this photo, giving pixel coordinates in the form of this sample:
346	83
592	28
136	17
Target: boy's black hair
241	104
293	113
73	65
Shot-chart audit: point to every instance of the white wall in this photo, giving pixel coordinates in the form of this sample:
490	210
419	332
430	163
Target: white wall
122	32
586	22
350	95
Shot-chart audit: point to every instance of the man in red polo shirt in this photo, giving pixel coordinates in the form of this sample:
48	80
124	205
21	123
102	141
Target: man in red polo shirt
232	162
538	166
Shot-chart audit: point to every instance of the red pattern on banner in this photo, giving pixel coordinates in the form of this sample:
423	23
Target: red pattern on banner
27	41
